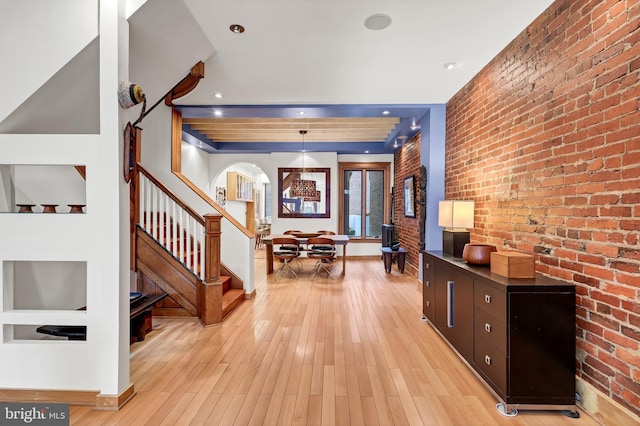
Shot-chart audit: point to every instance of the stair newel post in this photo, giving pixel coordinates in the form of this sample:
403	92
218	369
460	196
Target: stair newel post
210	291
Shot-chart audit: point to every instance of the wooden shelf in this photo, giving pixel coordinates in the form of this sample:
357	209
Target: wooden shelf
239	187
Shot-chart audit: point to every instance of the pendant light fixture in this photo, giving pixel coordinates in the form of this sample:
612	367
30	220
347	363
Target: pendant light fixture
301	187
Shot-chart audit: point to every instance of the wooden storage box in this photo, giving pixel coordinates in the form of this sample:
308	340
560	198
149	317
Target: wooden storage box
512	264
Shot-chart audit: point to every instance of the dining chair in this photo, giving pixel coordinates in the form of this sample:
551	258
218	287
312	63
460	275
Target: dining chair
286	255
326	247
292	232
324	254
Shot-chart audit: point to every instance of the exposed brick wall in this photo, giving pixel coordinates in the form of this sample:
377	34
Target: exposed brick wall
406	162
546	140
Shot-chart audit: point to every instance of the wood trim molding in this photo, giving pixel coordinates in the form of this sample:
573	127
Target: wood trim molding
54	396
381	165
114	402
176	141
213	204
72	397
162	268
186	85
82	170
601	407
176	169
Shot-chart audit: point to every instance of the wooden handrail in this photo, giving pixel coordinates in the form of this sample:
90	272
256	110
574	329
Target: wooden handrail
176	169
82	170
214	205
197	216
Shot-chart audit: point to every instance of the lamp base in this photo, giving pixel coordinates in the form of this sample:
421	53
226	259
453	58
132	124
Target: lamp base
453	242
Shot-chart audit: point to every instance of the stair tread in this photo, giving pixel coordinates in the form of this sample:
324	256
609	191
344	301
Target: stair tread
231	299
232	294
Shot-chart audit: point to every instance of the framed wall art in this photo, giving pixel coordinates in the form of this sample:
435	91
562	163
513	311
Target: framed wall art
409	197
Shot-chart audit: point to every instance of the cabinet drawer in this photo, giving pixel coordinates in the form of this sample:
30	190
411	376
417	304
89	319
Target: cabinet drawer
429	301
493	364
427	267
488	327
490	299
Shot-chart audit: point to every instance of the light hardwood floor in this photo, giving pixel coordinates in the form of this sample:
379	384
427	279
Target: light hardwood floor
343	350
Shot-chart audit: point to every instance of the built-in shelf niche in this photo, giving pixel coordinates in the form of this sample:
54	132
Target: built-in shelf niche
239	187
43	188
51	289
29	333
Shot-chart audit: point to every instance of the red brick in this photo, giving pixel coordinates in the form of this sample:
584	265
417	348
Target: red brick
620	290
632	268
599	365
631	305
606	298
563	127
606	358
631	357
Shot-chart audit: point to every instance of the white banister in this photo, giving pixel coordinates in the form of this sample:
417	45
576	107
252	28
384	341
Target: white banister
172	226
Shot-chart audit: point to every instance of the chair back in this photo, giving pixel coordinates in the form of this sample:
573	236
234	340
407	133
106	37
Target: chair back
321	245
292	231
290	242
326	233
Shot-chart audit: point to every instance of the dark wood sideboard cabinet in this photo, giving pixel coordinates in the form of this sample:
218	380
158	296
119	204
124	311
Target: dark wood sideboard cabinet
517	334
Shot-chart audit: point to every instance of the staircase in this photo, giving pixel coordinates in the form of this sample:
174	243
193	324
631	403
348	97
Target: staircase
177	251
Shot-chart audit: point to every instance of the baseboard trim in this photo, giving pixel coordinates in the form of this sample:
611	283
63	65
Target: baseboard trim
114	402
601	407
250	296
54	396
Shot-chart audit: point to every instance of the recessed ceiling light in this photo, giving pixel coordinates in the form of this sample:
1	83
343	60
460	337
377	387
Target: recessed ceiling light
378	21
236	28
301	113
385	112
450	65
217	95
217	113
366	152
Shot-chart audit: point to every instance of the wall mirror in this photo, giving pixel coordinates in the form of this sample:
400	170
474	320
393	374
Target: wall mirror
304	193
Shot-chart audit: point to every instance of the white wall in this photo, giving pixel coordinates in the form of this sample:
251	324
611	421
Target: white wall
237	252
49	184
49	36
269	164
44	36
238	209
195	166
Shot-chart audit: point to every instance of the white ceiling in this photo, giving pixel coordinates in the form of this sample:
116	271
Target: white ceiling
319	52
319	58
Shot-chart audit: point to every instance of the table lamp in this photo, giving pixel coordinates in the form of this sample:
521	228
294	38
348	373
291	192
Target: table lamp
457	217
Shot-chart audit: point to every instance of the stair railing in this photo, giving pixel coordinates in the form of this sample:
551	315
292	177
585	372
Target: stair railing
173	224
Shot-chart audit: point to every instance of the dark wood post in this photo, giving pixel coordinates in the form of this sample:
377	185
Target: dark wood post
210	291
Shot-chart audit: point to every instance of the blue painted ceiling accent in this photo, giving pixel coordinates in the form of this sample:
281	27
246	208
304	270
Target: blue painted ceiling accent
408	115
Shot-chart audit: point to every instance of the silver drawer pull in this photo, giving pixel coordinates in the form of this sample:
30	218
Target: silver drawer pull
487	298
428	303
427	283
487	327
450	296
487	359
426	266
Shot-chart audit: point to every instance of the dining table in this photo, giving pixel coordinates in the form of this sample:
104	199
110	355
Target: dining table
338	240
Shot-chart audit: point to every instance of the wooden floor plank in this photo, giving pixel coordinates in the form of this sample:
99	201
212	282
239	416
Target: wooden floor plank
344	350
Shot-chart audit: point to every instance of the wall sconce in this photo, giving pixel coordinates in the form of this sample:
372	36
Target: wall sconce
457	217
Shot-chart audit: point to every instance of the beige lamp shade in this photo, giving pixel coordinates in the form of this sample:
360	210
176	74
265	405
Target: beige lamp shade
456	214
